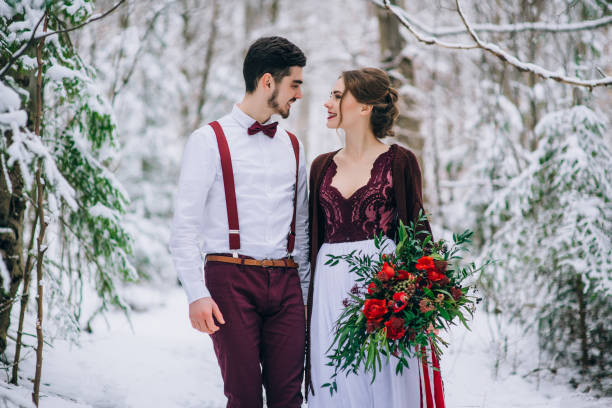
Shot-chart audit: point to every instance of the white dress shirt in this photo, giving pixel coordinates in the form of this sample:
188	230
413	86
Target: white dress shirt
264	176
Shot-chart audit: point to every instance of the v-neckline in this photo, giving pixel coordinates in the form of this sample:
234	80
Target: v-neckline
331	180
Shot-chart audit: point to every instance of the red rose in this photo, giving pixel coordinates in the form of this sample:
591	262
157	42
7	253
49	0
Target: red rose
387	272
403	275
425	263
456	292
438	277
435	276
373	325
374	308
372	288
400	300
395	328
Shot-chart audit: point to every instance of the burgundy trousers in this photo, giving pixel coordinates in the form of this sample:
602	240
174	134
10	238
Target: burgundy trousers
262	340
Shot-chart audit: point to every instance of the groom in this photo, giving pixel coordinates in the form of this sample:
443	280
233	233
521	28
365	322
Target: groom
242	200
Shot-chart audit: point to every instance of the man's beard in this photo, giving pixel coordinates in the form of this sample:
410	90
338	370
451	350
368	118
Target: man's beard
273	103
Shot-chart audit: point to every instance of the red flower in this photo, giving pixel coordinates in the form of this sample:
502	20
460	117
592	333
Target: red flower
372	288
373	325
387	272
395	328
440	265
403	275
456	292
438	277
374	308
433	330
425	263
400	300
435	276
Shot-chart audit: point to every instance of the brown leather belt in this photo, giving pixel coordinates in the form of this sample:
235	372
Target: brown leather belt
265	263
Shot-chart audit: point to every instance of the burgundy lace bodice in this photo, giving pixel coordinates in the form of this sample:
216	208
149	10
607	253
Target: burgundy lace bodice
369	210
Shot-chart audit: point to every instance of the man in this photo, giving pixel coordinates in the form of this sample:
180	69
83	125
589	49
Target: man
241	192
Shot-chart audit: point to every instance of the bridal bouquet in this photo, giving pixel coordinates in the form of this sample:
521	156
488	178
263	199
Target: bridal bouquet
400	302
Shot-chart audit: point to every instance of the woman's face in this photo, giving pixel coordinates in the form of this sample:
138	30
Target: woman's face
351	109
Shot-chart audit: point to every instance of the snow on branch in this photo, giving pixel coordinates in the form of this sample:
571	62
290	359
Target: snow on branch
418	33
93	18
529	67
504	28
27	45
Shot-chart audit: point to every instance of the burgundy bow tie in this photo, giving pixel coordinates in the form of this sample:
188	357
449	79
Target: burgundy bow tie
268	130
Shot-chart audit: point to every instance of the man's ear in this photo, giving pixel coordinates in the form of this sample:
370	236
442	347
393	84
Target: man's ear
266	81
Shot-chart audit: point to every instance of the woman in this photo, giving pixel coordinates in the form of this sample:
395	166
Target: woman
357	192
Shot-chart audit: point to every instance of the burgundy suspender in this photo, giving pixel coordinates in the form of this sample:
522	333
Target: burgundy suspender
296	150
230	189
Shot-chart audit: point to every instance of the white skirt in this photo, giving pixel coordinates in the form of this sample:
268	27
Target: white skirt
331	286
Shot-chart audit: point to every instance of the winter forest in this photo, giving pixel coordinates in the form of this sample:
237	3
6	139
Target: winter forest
507	105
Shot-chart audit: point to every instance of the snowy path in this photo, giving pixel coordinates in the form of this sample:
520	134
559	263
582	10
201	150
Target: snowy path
164	363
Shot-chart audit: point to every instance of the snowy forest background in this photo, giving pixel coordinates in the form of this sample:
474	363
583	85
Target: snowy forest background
524	162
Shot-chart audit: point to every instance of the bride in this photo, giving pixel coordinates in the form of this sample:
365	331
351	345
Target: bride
356	192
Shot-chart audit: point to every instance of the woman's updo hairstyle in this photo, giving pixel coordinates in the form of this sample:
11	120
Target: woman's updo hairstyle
372	86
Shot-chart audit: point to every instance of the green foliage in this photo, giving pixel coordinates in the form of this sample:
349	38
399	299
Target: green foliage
362	343
84	201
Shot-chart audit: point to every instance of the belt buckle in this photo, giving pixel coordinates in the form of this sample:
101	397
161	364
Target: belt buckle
263	263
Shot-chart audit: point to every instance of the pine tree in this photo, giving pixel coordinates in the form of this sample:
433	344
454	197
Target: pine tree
552	238
84	202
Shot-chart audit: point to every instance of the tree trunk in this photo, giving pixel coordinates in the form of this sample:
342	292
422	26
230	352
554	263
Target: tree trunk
208	58
582	330
408	130
12	210
43	224
25	296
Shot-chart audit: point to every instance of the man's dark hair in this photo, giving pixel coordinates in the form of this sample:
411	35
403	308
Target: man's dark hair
275	55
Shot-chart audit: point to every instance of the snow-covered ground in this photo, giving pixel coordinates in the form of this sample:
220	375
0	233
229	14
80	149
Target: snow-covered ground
160	361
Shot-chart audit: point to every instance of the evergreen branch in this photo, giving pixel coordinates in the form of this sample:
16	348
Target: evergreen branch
27	45
23	48
90	20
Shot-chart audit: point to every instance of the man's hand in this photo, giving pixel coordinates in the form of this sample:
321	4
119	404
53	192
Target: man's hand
201	314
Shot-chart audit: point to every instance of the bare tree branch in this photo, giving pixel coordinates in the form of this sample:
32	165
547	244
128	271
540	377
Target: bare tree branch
27	45
143	40
505	28
429	40
495	50
536	26
529	67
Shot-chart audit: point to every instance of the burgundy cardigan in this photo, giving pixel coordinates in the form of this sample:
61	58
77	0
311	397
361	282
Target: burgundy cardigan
406	176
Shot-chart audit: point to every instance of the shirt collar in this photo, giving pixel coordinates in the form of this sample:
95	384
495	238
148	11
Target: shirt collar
243	119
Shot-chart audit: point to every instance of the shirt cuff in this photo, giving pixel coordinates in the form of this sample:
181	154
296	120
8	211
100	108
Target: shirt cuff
195	290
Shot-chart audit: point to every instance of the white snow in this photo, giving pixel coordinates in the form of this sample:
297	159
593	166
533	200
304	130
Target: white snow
163	362
4	273
9	99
